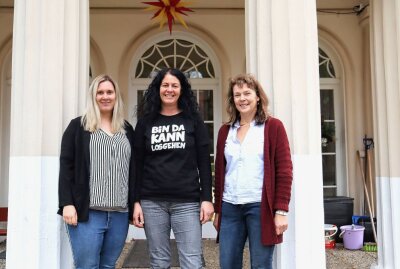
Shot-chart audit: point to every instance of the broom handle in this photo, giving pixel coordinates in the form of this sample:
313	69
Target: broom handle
370	183
367	196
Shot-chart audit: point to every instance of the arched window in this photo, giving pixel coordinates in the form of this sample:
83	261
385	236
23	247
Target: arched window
177	53
332	125
192	57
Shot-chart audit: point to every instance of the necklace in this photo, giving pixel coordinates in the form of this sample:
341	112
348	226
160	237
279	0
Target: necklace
243	124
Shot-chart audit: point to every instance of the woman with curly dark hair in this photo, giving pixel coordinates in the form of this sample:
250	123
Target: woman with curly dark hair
173	185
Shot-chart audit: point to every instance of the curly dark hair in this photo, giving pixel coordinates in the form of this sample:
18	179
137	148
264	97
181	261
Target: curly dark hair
151	104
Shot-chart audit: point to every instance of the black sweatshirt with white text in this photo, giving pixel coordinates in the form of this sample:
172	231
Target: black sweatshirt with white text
172	159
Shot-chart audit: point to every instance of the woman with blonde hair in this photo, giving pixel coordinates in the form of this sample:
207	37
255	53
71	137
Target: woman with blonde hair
96	177
253	177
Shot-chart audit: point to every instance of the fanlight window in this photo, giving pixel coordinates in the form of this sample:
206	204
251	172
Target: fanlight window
176	53
326	69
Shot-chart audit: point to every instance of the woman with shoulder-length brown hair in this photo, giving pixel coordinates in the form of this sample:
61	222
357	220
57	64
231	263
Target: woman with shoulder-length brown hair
253	177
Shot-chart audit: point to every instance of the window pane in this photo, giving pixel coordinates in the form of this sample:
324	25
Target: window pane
210	127
326	69
183	49
329	169
140	97
166	49
206	104
327	105
328	136
329	146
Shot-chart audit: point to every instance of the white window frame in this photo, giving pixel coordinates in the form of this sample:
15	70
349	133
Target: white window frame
340	144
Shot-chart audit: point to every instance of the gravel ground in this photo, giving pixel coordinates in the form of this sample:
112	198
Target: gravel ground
2	248
341	258
338	258
210	251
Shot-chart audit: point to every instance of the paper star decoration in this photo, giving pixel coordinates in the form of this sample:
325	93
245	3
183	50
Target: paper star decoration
169	11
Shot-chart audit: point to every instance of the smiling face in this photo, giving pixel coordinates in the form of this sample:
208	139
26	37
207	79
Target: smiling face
170	90
105	97
245	100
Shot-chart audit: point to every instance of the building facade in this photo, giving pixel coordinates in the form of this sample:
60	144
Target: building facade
330	69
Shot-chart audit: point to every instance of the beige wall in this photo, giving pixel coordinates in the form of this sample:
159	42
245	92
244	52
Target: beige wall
344	34
118	33
6	20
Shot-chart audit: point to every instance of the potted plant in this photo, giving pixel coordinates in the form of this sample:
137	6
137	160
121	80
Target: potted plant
327	133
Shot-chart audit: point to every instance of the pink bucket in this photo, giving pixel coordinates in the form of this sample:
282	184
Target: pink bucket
353	236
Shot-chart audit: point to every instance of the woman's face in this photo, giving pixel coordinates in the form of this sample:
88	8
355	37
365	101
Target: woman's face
105	97
245	99
170	90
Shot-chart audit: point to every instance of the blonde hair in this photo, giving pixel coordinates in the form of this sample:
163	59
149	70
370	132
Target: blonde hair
91	119
262	105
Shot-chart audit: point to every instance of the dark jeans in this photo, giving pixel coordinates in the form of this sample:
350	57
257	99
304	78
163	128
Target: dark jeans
238	223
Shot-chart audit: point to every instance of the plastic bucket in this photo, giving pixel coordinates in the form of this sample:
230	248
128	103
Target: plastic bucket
330	230
353	236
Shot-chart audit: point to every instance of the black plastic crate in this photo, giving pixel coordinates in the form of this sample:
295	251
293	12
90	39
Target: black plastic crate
339	211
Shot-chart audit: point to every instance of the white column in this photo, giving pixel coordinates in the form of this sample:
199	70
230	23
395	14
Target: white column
5	97
385	62
49	78
282	51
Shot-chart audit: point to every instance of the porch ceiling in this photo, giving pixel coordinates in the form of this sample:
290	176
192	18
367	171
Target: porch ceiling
324	4
139	4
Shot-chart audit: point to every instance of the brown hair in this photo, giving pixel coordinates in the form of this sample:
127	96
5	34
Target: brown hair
262	105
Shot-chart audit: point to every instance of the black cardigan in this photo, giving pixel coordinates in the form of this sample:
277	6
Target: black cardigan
73	185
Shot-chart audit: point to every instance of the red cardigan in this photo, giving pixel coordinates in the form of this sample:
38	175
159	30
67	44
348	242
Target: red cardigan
278	176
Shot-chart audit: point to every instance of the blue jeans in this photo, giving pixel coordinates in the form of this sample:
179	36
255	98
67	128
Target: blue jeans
184	219
237	223
97	243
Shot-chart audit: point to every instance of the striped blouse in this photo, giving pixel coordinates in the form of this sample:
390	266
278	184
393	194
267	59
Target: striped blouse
109	171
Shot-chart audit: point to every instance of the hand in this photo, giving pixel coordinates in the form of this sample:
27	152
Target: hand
215	223
281	224
206	211
69	215
138	219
